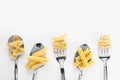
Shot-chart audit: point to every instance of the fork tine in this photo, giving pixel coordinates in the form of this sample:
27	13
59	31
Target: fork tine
104	51
55	50
101	50
63	52
60	52
107	50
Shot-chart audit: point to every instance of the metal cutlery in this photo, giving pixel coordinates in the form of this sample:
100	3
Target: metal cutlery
16	60
36	48
104	56
61	57
83	47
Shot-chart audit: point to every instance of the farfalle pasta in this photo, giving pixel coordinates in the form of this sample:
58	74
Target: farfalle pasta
59	42
104	42
83	60
37	59
15	47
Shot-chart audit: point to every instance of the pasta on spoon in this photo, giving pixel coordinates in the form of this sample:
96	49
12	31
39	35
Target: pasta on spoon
37	59
15	47
83	59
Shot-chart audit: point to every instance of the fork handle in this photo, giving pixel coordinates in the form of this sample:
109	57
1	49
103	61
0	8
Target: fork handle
62	73
105	72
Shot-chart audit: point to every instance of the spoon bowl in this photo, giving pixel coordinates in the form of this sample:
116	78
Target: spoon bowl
83	47
36	47
16	62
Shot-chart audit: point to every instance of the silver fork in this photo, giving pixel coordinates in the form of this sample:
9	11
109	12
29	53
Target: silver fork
61	57
104	56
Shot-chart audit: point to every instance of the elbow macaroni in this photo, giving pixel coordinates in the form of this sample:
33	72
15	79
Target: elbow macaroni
59	42
15	48
37	59
83	60
104	42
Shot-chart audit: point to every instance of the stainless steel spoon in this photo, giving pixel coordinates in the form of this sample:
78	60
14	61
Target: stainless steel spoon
16	60
83	47
37	47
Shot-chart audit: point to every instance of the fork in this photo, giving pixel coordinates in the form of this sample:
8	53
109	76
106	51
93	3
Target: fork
60	57
104	56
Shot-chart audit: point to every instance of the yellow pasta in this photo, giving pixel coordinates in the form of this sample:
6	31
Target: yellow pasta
15	47
36	60
83	60
40	52
104	42
59	42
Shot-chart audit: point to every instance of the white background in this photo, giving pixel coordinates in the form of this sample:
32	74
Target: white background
84	21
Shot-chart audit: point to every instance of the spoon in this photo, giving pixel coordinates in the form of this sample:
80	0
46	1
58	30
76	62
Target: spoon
36	47
16	60
83	47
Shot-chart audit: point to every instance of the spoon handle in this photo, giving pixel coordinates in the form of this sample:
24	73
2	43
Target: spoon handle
80	75
16	71
34	75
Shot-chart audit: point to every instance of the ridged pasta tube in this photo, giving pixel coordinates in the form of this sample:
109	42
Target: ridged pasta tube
37	59
83	60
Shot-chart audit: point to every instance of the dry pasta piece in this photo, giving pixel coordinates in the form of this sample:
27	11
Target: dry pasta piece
16	38
59	42
15	47
83	60
37	59
104	42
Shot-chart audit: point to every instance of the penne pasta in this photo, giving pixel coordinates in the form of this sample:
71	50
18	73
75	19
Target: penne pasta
83	60
15	48
37	59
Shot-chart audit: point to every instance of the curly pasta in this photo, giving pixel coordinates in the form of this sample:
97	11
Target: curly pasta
104	42
15	47
83	60
59	42
36	60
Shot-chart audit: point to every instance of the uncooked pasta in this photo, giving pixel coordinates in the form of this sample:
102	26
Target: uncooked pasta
15	47
83	60
36	60
59	42
104	42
